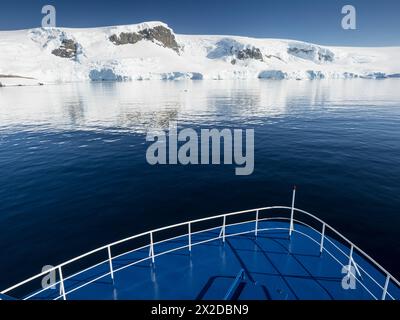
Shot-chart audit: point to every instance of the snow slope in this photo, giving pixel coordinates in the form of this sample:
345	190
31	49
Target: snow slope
30	54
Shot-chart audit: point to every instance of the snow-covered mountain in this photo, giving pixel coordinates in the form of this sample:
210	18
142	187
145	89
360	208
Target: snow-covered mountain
151	50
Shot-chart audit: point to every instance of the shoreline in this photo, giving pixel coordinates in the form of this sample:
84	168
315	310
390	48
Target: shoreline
39	84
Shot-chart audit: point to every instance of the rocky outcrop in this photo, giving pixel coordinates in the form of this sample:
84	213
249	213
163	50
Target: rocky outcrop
68	49
310	52
162	35
350	75
234	50
11	80
125	38
323	56
250	53
298	51
159	35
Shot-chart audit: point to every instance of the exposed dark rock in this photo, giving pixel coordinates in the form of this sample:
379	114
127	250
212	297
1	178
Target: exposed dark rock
298	50
68	49
350	75
14	76
270	56
125	38
158	34
1	85
234	50
311	52
325	57
161	34
250	53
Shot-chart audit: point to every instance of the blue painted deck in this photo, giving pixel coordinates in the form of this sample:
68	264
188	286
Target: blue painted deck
275	267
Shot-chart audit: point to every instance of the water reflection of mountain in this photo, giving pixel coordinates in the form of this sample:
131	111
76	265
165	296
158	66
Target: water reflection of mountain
135	106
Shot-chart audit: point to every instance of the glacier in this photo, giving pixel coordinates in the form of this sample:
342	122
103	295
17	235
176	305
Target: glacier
152	51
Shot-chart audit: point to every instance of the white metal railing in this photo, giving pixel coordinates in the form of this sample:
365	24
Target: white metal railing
222	235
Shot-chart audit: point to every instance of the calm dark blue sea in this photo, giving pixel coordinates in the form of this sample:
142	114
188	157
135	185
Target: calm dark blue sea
73	172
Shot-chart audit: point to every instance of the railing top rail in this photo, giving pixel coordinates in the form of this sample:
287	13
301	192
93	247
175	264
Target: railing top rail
354	246
196	221
125	240
134	237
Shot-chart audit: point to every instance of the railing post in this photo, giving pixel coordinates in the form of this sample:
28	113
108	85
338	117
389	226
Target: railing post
151	253
256	229
321	247
110	262
62	288
190	236
351	255
353	263
292	212
385	289
223	229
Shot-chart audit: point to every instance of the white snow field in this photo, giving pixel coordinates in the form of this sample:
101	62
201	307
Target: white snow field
152	51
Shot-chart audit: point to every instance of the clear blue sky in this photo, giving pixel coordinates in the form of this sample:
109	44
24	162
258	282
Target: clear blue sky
378	22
